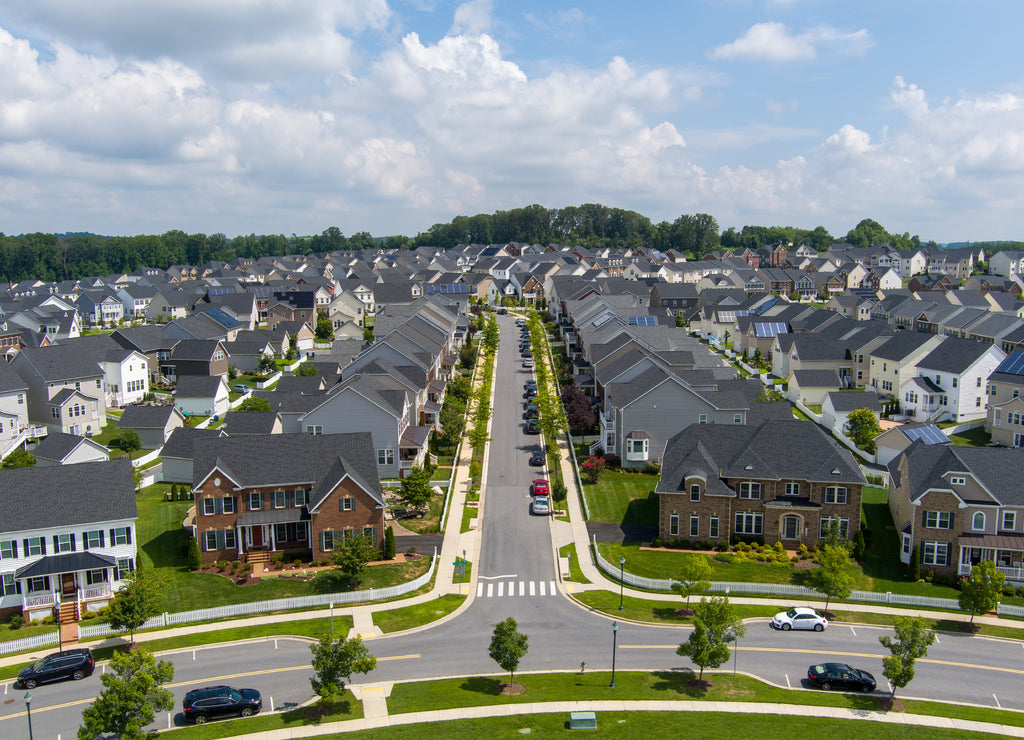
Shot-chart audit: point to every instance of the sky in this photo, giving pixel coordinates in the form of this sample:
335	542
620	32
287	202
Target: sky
387	116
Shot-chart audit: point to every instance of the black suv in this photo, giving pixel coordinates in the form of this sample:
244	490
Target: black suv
75	664
219	701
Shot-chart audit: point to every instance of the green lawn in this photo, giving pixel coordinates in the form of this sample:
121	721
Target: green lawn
971	438
575	572
431	521
623	497
416	615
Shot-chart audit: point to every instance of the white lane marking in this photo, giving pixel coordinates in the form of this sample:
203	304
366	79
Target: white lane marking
937	642
787	681
997	701
490	590
853	631
522	592
551	587
542	588
495	578
501	588
533	588
479	589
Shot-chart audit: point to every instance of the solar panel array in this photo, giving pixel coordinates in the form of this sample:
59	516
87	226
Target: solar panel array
769	328
642	321
449	288
929	434
1013	364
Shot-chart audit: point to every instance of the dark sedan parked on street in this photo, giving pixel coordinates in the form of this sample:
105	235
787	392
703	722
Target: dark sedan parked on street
840	676
537	458
212	702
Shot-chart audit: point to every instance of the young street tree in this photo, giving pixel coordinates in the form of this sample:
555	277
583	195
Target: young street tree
132	695
833	577
912	641
694	576
334	662
862	427
980	593
136	602
508	646
714	627
351	554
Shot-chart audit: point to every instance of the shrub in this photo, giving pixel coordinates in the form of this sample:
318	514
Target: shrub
656	542
1008	590
195	557
803	550
389	544
16	620
475	470
613	461
297	562
722	547
49	620
652	467
222	565
725	557
558	491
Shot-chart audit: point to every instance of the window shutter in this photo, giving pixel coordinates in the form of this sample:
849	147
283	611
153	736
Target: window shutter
14	547
113	539
24	544
128	534
101	539
322	549
42	544
56	544
952	520
85	541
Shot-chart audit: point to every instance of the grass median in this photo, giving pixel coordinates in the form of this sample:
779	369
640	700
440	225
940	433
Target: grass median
417	615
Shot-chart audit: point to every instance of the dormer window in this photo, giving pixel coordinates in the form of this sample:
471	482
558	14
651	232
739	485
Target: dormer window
957	480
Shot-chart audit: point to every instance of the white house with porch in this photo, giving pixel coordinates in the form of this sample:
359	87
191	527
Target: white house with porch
68	538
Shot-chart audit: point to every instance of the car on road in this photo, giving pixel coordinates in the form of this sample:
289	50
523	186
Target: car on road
799	618
537	459
75	664
539	488
212	702
540	506
502	311
528	364
840	676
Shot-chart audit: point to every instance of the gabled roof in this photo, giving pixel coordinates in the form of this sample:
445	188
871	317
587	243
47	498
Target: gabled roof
997	469
147	417
197	386
180	443
57	446
64	495
955	355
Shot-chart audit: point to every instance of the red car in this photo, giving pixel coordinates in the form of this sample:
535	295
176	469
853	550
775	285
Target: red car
540	487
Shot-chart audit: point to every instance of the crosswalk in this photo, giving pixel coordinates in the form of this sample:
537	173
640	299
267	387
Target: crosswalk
507	589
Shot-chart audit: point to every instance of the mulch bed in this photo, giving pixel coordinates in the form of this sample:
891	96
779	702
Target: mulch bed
511	689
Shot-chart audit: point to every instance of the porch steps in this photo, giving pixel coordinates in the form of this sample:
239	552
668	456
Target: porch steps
257	556
68	613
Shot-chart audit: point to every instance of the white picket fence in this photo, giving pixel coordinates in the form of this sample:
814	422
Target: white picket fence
780	589
29	643
263	607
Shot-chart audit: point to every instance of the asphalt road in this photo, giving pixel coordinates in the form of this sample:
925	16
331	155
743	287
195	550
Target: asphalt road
517	556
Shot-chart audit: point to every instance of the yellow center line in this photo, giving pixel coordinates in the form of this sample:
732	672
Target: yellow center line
399	657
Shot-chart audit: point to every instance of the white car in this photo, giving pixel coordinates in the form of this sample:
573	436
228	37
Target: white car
799	618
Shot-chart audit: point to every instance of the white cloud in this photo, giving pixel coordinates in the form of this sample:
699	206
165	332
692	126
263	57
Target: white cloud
772	41
473	17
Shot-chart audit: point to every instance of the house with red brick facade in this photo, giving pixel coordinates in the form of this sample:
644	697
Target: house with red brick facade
296	494
781	481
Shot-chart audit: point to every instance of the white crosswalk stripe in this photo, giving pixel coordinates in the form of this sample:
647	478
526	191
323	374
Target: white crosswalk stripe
525	588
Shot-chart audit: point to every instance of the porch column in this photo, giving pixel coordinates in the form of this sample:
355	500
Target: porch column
273	543
238	538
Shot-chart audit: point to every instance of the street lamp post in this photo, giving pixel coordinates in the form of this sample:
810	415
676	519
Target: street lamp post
615	635
28	711
622	568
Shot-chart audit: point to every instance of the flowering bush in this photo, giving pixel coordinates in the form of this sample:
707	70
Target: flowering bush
592	468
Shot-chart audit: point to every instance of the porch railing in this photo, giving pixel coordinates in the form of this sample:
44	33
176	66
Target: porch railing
34	602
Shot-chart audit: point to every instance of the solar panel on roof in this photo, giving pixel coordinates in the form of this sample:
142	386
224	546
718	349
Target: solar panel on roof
930	435
1013	364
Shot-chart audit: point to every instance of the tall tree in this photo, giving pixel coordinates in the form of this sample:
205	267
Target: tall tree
832	577
415	490
911	642
714	628
980	593
254	403
20	458
508	646
694	576
132	694
579	412
862	427
334	662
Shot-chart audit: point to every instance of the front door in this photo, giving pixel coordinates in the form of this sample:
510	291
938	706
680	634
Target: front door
257	537
67	584
791	528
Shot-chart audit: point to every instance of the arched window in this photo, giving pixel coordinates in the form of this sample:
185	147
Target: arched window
979	521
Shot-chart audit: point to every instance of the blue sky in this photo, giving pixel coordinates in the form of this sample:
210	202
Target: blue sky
271	116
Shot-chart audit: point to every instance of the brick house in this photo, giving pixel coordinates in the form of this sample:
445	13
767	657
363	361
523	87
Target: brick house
290	493
725	483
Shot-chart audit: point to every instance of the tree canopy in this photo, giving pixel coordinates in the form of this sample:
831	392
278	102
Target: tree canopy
334	662
132	694
980	593
911	642
508	646
714	628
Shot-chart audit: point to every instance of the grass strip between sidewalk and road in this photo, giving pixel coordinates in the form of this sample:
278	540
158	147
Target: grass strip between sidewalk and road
659	726
575	572
417	615
477	691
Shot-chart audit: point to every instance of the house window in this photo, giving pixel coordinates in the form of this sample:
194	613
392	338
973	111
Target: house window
348	503
124	567
280	499
39	584
255	501
992	389
835	495
300	497
713	528
749	522
386	457
35	546
314	429
957	480
10	586
229	504
750	490
8	550
826	523
979	382
210	540
907	544
694	526
935	553
120	536
94	577
673	525
327	540
209	507
702	419
978	521
737	418
695	492
1009	521
281	532
65	542
93	539
938	520
792	489
636	447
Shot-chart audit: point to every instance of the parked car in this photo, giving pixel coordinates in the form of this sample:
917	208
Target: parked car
540	506
528	364
539	488
799	618
840	676
241	388
502	311
537	459
75	664
212	702
532	427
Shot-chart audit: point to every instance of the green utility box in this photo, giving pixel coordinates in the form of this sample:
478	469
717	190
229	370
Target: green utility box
582	721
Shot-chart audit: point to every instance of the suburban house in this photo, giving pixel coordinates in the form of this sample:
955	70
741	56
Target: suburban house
152	342
959	506
196	357
65	389
178	453
202	395
894	362
810	387
1005	419
890	443
238	423
836	408
727	483
293	493
956	373
153	424
13	407
58	448
67	539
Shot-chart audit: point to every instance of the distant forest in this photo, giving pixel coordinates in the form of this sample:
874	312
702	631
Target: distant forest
71	256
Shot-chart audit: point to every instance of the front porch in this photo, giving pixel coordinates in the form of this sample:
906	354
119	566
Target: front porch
412	448
1006	551
66	586
260	534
